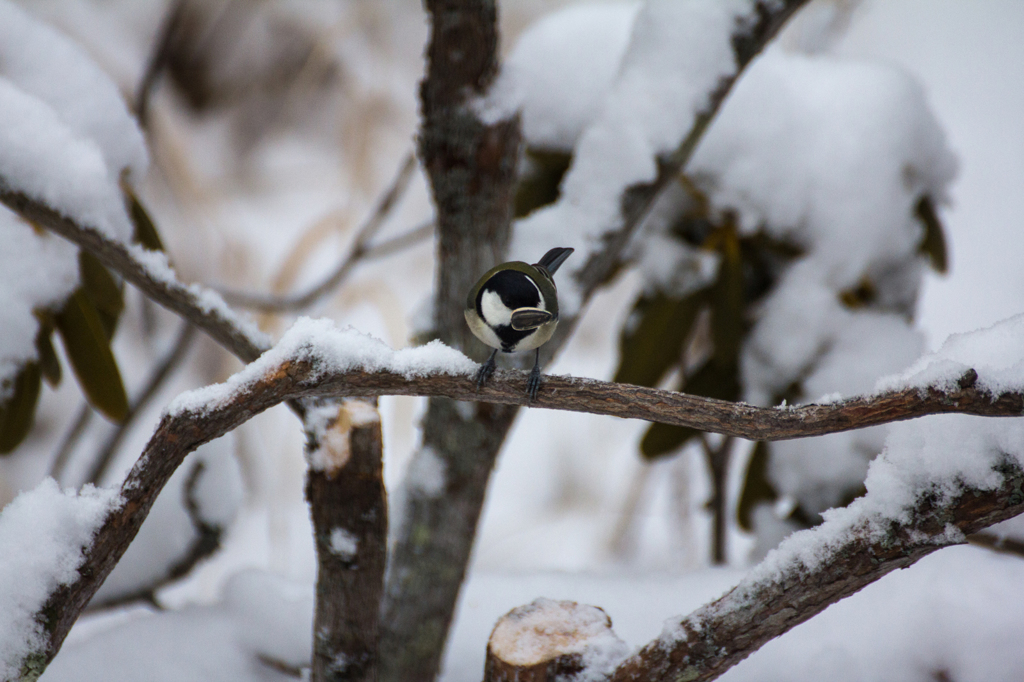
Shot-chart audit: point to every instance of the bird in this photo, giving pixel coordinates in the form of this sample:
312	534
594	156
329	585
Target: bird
514	307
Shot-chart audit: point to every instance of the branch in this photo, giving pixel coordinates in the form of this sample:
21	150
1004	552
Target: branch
164	369
754	30
303	374
784	592
176	436
201	307
471	167
160	53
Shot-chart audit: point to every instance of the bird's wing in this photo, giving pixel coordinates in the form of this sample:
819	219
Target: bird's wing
524	319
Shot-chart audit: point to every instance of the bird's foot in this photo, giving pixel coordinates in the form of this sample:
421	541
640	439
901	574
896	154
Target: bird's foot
533	383
485	372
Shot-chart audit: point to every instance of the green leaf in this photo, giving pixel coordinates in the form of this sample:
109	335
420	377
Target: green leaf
18	412
88	350
539	184
651	347
48	362
145	229
727	324
757	489
860	296
712	380
103	291
934	243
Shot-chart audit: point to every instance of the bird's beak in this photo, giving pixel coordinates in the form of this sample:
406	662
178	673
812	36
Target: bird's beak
554	258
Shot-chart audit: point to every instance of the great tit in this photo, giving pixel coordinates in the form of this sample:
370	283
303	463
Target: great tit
514	307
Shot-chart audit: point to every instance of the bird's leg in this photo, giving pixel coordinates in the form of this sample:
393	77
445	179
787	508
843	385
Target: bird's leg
485	372
533	384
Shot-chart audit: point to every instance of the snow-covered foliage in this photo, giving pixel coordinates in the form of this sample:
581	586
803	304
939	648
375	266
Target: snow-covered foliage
835	160
66	138
829	157
676	54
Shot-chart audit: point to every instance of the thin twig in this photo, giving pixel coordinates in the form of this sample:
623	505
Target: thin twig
360	249
156	380
70	442
997	543
158	60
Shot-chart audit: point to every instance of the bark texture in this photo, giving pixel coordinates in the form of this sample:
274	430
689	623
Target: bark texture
348	504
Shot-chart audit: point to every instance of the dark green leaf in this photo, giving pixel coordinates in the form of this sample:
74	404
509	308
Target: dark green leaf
88	350
651	347
664	439
145	230
539	184
103	291
48	362
860	296
934	243
727	327
757	489
18	412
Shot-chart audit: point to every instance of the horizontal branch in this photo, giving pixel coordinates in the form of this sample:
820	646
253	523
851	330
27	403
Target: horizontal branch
306	378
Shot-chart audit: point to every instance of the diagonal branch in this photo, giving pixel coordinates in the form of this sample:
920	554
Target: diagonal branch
202	307
754	30
781	594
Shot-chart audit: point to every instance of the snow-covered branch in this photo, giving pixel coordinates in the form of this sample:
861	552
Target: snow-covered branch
815	568
147	270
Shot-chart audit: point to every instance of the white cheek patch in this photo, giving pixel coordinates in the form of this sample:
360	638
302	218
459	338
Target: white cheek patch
494	312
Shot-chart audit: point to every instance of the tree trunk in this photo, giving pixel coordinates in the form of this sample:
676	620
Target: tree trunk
345	489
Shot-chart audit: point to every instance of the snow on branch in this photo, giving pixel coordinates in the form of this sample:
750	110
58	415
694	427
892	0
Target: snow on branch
317	359
913	507
147	270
